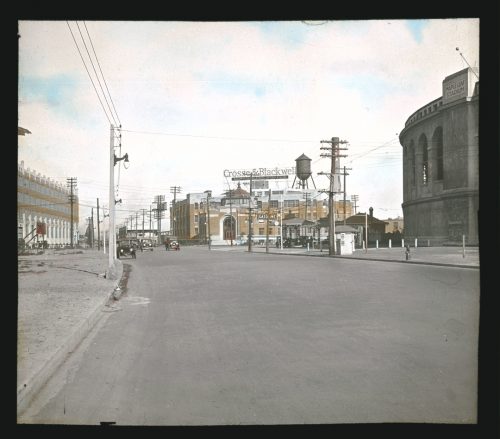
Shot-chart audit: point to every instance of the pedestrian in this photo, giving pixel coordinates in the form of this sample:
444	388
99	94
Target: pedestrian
167	244
407	251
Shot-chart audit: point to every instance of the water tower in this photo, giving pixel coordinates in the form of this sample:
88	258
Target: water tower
303	172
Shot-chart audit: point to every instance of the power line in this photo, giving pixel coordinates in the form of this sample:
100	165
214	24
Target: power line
96	75
104	79
97	93
250	139
373	149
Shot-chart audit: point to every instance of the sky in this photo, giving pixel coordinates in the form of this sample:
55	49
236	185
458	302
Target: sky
196	98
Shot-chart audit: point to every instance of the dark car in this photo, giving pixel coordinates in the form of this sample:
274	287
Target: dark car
126	247
147	244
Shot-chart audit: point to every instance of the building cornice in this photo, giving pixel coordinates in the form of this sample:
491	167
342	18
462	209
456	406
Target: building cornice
454	193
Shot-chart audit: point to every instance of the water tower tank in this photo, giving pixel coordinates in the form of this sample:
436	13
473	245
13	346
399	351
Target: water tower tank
303	167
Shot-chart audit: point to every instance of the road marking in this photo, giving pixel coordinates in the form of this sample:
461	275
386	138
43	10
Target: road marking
138	300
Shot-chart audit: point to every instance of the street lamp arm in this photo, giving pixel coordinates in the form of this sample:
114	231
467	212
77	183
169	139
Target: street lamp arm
125	157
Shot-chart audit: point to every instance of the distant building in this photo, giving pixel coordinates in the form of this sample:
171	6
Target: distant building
43	209
376	227
440	164
229	214
395	225
357	224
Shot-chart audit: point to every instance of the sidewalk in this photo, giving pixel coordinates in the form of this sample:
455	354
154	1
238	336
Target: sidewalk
61	295
446	256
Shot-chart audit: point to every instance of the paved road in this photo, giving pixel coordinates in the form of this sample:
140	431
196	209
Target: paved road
218	338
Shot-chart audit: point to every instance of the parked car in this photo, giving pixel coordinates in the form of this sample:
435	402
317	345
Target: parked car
174	245
126	247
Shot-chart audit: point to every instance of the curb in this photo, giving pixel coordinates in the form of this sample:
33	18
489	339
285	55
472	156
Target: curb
439	264
27	391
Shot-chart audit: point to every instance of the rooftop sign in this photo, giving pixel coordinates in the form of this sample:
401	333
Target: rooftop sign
263	173
458	85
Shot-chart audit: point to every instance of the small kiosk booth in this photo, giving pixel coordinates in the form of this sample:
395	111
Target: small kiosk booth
345	236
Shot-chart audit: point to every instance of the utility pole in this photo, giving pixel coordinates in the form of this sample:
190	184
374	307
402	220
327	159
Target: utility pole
250	216
111	238
335	158
267	221
344	191
136	228
143	213
104	231
113	160
160	207
281	221
174	190
366	232
306	195
98	229
91	227
89	236
354	199
231	215
208	220
71	182
131	218
103	236
150	219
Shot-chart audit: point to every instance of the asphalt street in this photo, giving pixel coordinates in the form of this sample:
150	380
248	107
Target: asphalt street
224	338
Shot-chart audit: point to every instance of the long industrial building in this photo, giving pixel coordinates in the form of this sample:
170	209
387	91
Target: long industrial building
44	210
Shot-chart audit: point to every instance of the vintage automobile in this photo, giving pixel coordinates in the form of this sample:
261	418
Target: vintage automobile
126	247
147	244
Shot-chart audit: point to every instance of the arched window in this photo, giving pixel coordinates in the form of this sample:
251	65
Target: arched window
412	163
422	143
437	142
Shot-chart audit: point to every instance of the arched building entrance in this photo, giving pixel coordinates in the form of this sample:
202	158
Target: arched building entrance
229	228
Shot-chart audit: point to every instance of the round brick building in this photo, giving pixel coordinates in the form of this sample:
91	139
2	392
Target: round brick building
440	165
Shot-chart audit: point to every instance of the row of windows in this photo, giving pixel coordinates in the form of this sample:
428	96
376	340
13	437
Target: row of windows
62	207
424	147
291	203
234	201
40	188
213	204
244	201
